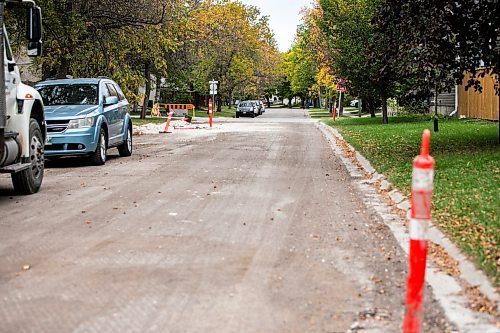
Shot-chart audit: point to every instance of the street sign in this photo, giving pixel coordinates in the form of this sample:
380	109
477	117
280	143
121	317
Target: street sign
340	85
213	87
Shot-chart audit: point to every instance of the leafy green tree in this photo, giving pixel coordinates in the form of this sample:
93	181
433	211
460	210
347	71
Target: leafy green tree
229	42
437	42
351	44
120	39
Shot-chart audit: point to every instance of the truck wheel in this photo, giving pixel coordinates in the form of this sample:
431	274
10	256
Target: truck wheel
98	157
125	149
29	180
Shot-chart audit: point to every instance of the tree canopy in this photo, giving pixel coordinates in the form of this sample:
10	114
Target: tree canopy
184	44
388	48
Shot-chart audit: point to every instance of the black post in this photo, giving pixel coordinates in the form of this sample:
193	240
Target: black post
436	122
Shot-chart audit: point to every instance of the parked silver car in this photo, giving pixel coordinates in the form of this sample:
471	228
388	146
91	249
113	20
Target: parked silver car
248	108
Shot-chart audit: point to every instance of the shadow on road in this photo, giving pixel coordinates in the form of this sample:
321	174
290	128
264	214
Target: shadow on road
72	161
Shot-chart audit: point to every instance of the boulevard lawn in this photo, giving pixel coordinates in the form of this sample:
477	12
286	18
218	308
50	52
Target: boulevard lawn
466	203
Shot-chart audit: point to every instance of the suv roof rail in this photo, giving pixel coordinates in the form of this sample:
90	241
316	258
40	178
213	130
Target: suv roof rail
103	77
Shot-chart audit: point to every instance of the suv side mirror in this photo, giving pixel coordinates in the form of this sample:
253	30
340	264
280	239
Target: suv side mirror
34	31
110	100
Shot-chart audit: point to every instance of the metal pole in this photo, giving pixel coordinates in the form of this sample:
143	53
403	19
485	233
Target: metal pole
3	104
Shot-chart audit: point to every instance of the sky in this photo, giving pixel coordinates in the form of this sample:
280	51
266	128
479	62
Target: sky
284	16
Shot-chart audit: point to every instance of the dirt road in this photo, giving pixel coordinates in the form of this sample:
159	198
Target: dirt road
252	227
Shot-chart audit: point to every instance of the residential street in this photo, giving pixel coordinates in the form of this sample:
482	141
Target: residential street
255	226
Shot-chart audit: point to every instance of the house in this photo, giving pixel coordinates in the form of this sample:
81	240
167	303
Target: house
485	105
470	103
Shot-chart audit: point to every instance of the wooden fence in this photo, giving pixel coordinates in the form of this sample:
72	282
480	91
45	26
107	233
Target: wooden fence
472	104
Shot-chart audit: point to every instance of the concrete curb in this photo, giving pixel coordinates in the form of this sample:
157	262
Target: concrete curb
448	290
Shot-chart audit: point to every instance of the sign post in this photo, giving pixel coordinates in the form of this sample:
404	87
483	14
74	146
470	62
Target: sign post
341	88
213	90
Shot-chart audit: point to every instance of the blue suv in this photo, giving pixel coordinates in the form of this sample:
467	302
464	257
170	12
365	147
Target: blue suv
86	117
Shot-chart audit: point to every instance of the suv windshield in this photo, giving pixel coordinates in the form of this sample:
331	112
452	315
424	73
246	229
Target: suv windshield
68	94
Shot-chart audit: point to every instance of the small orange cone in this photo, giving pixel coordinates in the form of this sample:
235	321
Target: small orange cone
168	122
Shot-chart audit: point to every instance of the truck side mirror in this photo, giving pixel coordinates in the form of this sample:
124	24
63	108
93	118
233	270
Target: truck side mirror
34	31
34	49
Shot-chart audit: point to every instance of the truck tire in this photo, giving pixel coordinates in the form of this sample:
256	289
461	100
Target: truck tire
125	149
29	180
98	157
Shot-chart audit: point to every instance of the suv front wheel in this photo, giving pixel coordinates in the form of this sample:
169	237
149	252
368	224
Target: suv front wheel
125	149
98	157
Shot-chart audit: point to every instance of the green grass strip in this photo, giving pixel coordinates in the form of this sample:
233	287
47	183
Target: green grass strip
466	203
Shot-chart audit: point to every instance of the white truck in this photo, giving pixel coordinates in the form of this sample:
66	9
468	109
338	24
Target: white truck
22	119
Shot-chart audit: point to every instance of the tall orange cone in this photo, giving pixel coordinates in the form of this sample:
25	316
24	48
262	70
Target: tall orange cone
210	111
421	199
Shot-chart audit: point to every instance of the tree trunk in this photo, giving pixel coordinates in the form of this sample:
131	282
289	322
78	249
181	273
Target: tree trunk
63	69
197	100
385	118
147	76
341	104
368	106
219	103
158	88
268	101
231	99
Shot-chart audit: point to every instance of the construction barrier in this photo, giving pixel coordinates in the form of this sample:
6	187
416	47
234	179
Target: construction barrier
421	196
181	107
167	124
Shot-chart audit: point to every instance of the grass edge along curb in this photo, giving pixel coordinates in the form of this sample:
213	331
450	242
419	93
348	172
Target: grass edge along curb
467	177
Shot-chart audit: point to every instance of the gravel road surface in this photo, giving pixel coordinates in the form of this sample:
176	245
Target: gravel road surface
253	226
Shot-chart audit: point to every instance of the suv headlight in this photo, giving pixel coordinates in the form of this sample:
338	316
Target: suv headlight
81	123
